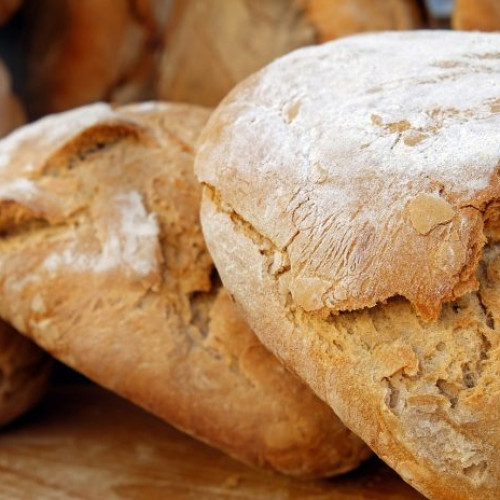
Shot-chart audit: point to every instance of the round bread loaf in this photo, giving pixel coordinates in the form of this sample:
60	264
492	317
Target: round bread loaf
104	265
351	207
210	45
481	15
85	51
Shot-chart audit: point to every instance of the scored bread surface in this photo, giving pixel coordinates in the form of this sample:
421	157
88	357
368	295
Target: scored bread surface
104	265
349	192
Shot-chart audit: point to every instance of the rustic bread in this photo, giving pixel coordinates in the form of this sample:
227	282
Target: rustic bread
211	45
349	192
103	263
481	15
85	51
11	111
7	8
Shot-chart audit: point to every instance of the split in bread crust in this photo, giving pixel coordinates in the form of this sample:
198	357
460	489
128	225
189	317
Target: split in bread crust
104	265
349	192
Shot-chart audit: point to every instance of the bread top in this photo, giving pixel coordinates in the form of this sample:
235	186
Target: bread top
380	154
210	45
82	52
481	15
11	111
104	265
24	373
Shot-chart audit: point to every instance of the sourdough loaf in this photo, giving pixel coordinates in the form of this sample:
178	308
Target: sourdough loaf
104	265
351	207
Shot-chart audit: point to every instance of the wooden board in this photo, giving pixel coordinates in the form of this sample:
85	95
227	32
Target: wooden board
85	443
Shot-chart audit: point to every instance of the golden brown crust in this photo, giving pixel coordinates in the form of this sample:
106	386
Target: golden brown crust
24	374
105	266
210	45
81	52
480	15
313	175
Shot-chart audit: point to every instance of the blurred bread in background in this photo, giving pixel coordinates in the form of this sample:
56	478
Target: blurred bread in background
81	51
211	45
480	15
90	50
7	8
11	110
336	18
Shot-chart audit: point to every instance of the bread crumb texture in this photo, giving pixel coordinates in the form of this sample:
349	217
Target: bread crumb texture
359	234
103	263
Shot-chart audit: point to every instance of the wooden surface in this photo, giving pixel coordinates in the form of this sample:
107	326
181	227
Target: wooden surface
84	443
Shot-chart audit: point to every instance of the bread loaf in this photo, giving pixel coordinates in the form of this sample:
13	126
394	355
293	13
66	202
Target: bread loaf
84	51
351	207
211	45
104	265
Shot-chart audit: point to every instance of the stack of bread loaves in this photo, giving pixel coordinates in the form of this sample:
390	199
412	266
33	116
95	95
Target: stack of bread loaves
349	198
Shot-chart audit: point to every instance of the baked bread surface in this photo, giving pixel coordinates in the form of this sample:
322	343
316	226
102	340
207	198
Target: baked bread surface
349	192
104	264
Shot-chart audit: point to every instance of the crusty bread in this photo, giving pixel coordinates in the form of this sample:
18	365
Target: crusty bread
350	189
11	111
84	51
481	15
211	45
7	8
24	374
104	265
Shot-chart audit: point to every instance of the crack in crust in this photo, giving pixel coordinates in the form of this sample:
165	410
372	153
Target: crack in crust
431	377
